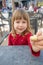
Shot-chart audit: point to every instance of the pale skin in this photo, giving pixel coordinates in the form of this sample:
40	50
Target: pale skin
20	26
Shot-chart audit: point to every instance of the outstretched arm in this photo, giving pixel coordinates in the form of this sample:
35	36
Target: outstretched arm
35	50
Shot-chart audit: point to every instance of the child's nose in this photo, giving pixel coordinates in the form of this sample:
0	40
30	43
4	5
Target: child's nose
21	24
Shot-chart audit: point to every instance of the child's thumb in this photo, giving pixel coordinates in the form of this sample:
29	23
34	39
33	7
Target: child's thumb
39	33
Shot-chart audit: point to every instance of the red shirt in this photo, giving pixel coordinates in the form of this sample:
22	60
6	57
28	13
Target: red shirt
21	40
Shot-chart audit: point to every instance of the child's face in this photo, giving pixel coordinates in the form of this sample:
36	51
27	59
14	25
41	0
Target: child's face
20	26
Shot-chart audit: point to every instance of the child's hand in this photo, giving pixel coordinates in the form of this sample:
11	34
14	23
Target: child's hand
33	40
37	41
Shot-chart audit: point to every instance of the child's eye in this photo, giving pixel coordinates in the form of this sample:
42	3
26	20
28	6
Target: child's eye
17	22
24	22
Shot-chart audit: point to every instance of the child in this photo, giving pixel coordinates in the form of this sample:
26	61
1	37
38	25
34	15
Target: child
21	32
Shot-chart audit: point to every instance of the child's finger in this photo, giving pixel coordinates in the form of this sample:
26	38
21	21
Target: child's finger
39	33
40	37
40	47
39	43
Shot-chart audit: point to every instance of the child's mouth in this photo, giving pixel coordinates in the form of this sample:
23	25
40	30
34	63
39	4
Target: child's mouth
20	28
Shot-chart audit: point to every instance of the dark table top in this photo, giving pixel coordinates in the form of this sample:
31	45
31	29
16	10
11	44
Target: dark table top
19	55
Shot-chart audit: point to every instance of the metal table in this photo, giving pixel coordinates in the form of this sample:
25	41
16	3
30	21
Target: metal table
19	55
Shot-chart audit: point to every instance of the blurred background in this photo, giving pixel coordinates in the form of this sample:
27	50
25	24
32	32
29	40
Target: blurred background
33	7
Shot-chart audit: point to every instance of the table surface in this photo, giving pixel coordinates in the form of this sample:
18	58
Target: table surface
19	55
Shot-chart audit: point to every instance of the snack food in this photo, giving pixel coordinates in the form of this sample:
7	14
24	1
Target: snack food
33	38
